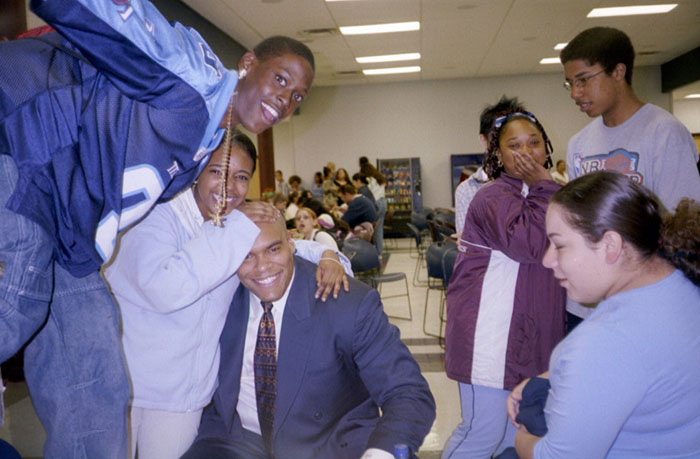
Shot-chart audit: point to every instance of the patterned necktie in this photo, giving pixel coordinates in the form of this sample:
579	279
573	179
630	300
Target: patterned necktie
265	368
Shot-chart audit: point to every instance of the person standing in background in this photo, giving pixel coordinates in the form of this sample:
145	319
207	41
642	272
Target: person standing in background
638	139
467	189
376	183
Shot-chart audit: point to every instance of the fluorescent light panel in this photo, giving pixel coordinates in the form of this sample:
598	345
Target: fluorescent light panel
388	71
388	58
380	28
560	46
550	60
631	10
693	96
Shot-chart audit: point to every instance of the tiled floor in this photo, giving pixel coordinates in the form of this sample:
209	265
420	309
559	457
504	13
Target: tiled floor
24	431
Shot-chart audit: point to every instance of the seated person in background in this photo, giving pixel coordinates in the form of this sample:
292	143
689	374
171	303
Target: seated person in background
307	227
330	189
280	185
280	202
359	208
341	177
307	200
295	183
328	369
359	180
624	383
291	210
560	175
317	186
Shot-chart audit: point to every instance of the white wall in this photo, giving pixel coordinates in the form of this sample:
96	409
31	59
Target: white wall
688	112
429	119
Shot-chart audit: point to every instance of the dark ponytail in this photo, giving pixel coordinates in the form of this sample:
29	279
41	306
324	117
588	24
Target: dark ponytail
609	201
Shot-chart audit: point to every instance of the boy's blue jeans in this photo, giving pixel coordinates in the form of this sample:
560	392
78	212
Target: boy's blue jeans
73	363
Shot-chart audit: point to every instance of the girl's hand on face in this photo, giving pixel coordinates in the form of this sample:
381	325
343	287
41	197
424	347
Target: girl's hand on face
330	276
528	169
259	212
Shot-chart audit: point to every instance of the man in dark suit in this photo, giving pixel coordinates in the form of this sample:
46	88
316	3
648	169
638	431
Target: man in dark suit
335	365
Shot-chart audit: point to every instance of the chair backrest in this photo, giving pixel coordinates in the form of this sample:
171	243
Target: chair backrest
433	259
416	233
448	264
418	219
363	255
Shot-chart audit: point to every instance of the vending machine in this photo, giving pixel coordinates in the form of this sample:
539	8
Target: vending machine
403	193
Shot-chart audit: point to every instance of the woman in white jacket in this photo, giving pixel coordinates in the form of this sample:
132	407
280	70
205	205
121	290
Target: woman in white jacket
173	278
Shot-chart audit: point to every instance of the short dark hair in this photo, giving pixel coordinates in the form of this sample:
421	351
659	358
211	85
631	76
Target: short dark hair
279	45
606	46
247	145
491	112
348	188
293	179
360	177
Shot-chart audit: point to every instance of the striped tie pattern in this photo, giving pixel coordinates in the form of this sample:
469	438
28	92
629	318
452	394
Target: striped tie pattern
265	368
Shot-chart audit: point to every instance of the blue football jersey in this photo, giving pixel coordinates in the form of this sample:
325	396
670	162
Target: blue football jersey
116	113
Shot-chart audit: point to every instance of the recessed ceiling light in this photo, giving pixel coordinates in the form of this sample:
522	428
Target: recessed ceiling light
550	60
560	46
630	10
381	28
693	96
388	58
389	71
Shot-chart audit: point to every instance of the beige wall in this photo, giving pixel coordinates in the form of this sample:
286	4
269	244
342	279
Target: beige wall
428	119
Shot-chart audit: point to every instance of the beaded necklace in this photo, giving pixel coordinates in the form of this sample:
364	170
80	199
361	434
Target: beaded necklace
217	217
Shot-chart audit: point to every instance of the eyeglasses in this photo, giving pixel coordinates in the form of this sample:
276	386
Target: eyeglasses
580	82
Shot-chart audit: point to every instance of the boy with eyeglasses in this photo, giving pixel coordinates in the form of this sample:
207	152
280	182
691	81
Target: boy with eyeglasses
638	139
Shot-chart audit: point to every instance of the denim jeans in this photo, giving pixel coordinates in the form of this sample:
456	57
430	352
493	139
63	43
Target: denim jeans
73	365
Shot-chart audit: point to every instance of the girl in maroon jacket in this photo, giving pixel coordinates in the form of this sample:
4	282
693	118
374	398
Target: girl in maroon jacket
505	311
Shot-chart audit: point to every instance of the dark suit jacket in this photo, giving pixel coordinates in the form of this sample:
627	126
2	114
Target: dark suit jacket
338	363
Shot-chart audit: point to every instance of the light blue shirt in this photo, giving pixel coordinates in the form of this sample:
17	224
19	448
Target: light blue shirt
626	382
